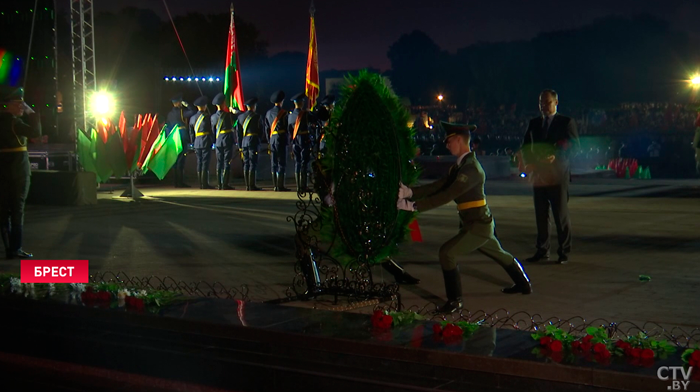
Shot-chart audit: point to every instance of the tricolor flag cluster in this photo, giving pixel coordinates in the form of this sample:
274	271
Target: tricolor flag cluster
119	150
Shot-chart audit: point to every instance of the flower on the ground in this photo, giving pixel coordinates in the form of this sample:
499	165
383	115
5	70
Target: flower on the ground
77	287
52	289
556	346
15	285
381	320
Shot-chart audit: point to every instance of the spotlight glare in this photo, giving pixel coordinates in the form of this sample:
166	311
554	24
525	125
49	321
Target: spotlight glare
695	81
189	79
211	79
102	104
523	175
196	79
167	78
217	79
182	79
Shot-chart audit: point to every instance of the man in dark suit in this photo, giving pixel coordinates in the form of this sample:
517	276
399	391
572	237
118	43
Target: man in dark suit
547	146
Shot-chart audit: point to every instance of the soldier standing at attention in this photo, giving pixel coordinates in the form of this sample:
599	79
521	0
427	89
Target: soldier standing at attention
248	129
222	126
276	129
464	184
298	126
14	166
180	116
200	132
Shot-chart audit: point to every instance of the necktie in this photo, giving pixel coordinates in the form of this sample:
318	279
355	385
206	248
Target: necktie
545	124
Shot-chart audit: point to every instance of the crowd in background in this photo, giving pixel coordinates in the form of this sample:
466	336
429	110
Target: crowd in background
656	134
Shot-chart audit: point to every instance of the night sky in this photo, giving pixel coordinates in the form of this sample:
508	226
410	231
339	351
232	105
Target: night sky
357	34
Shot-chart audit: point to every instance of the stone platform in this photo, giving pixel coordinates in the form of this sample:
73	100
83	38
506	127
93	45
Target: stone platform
211	344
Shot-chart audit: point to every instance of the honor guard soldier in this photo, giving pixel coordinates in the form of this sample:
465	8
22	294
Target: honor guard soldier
200	132
323	113
275	126
14	166
222	126
179	116
298	127
464	183
248	129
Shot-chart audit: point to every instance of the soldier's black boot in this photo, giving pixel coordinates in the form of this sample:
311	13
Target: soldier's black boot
199	178
304	181
400	275
253	186
5	234
453	289
181	176
297	181
205	180
280	183
177	178
227	178
522	282
219	179
16	243
274	181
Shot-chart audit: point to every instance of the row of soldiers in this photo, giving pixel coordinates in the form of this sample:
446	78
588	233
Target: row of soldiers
233	131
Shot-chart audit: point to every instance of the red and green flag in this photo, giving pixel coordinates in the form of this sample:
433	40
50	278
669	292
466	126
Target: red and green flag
233	91
312	80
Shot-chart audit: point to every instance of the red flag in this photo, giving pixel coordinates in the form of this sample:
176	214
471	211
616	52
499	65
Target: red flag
233	90
415	231
312	81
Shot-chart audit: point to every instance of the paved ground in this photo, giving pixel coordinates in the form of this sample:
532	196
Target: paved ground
622	228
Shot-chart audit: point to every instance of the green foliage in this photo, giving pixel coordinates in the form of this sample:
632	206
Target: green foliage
405	317
370	150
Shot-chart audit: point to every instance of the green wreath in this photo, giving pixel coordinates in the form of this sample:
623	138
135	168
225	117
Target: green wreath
370	149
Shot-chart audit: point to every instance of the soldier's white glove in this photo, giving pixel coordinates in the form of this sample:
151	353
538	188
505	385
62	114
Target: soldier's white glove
185	104
406	205
404	191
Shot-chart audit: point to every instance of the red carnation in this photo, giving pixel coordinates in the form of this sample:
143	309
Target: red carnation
545	340
556	346
89	289
557	356
696	355
437	329
139	304
636	352
585	346
587	338
384	322
576	345
599	347
692	363
647	353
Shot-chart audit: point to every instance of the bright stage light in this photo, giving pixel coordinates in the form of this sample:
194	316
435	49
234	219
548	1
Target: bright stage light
102	104
167	78
217	79
196	79
211	79
523	175
189	79
182	79
695	81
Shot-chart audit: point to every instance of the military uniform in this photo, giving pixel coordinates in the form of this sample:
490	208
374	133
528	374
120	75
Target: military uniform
222	126
14	168
298	128
464	184
200	132
249	130
275	127
180	116
323	114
